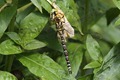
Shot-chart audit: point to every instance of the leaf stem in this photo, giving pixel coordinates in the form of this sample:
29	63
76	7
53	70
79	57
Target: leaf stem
85	28
8	62
9	58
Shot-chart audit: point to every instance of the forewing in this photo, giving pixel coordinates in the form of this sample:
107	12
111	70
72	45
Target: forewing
68	28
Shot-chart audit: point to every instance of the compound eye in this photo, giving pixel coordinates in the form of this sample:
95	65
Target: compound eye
54	12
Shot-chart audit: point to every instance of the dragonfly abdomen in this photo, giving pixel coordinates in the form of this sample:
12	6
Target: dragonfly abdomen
60	33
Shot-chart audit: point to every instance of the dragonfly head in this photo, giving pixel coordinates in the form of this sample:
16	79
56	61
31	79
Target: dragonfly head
57	15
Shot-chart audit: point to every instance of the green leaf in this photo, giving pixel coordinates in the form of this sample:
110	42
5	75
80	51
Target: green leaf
69	77
43	3
117	3
113	53
110	34
49	37
7	76
93	64
22	3
110	66
117	23
91	11
8	47
5	18
111	14
35	2
31	26
24	11
34	44
14	36
2	3
75	57
93	48
42	66
86	77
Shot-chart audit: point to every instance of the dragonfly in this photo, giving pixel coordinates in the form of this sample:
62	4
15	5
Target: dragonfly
64	29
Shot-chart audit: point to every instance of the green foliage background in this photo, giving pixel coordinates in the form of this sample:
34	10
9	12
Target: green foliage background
30	50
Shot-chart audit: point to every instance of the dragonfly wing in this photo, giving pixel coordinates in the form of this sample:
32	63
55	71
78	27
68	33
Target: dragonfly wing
68	28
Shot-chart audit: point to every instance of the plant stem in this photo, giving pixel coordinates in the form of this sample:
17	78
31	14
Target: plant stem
9	58
85	28
8	62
